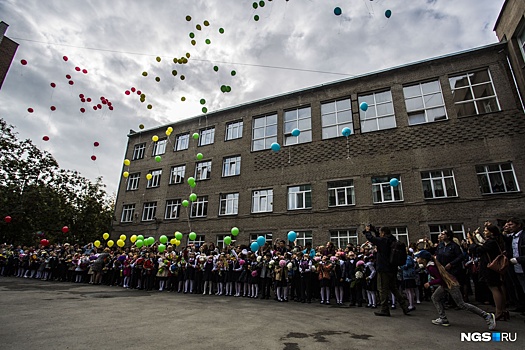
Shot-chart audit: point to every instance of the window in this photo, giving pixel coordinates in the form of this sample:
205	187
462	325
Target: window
380	112
177	174
133	182
159	147
206	136
341	238
424	102
401	233
199	240
138	151
474	93
172	209
300	118
521	42
299	197
383	192
203	170
341	193
438	184
303	237
262	201
148	213
127	213
436	229
199	208
155	180
335	116
231	166
181	142
234	130
220	241
497	178
264	132
268	236
229	204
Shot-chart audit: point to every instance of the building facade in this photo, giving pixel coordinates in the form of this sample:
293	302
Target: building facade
7	52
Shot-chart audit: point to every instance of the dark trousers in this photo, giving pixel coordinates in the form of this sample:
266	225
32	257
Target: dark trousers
306	286
386	284
266	284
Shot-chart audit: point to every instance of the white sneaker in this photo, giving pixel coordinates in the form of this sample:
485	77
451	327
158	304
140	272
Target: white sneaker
491	321
441	322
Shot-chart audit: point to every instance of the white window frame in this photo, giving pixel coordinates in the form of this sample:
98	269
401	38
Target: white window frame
486	176
485	101
203	170
521	41
199	208
155	179
297	118
437	180
229	204
181	142
199	240
128	210
266	126
339	189
267	235
381	184
333	118
159	147
263	200
303	237
207	136
401	234
148	211
172	210
380	114
300	194
177	174
341	238
234	130
436	229
231	166
138	151
429	100
133	182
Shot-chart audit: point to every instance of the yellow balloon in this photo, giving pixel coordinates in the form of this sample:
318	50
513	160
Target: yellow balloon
173	241
125	174
149	176
170	129
105	236
97	243
127	162
133	238
177	243
168	133
110	243
120	243
155	138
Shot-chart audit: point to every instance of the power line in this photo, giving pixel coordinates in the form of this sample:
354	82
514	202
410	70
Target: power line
194	59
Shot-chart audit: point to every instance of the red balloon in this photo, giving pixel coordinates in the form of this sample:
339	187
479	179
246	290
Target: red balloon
44	242
84	71
71	82
93	157
77	69
104	102
89	99
45	138
24	62
109	103
83	100
82	109
81	95
68	76
95	108
132	89
7	219
53	85
96	144
139	92
30	110
102	98
99	106
52	108
65	58
127	92
65	229
110	108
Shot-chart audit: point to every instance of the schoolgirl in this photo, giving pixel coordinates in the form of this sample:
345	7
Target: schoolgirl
371	281
189	273
409	279
148	272
305	273
325	279
256	266
126	271
358	281
208	275
338	280
219	270
266	276
281	279
162	272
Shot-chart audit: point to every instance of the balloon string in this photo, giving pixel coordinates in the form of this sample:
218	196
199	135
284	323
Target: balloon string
289	155
347	149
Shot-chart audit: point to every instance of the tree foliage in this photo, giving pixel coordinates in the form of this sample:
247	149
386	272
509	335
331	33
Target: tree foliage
41	197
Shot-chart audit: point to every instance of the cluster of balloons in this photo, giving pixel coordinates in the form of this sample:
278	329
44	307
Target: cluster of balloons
93	156
44	242
255	6
126	163
261	241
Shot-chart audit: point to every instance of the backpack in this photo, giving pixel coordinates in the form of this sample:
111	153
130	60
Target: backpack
398	253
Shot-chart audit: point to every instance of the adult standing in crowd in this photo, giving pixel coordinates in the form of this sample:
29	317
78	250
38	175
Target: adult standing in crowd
515	248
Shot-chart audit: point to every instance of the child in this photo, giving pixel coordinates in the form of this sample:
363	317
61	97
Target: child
371	281
448	283
325	278
357	283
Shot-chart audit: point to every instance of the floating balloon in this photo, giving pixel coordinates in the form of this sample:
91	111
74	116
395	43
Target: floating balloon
84	71
234	231
261	3
161	248
193	197
255	5
192	236
292	236
65	229
125	174
53	85
139	244
163	239
82	110
199	156
105	236
120	243
71	82
261	240
140	237
388	13
150	240
221	30
24	62
188	18
110	243
178	235
204	110
233	73
338	11
96	243
158	59
173	241
96	144
158	159
30	110
127	162
53	108
296	132
45	138
133	238
177	243
93	157
7	219
275	147
195	135
77	69
363	106
68	76
123	237
227	240
394	182
183	98
254	246
191	180
149	176
256	18
141	126
206	23
44	242
346	131
65	58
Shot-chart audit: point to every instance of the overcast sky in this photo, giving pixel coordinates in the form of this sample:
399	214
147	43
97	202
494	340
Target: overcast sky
293	45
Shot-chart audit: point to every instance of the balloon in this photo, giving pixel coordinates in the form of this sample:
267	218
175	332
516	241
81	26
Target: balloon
120	243
127	162
363	106
24	62
221	30
44	242
261	240
206	23
96	144
89	99
158	159
161	248
292	236
188	18
71	82
183	98
394	182
215	68
125	174
192	236
105	236
227	240
82	110
204	110
254	5
193	197
256	18
45	138
163	239
191	180
173	241
261	3
77	69
170	129
178	236
185	203
193	184
84	71
133	238
296	132
199	157
346	131
158	59
234	231
93	157
233	73
30	110
65	58
139	244
150	241
96	243
388	13
254	246
182	77
202	101
53	108
53	85
123	237
177	243
68	76
155	138
144	74
275	147
110	243
198	26
195	135
141	126
7	219
157	79
149	176
338	11
65	229
140	238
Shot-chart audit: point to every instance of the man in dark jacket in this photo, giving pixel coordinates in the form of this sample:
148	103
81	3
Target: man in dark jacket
386	272
515	248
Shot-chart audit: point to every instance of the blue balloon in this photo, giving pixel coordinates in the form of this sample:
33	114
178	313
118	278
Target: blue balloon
363	106
292	236
261	241
275	147
346	132
338	11
394	182
296	132
254	246
388	13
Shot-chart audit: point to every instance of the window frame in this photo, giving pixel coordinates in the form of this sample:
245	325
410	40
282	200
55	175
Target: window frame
433	234
267	196
344	235
292	119
182	142
371	100
133	182
226	164
267	235
332	187
294	196
207	136
155	180
128	211
338	125
174	173
170	203
199	240
159	147
303	237
234	127
149	208
267	138
200	166
395	232
424	110
226	203
392	189
487	173
138	151
199	207
431	180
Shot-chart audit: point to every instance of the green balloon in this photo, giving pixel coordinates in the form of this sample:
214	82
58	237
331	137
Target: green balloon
204	110
158	159
185	203
223	88
195	136
145	74
139	244
202	101
199	157
233	73
255	5
256	18
216	68
192	236
161	248
261	3
163	239
151	241
227	240
192	35
191	179
174	72
193	197
193	184
208	41
228	88
178	235
235	231
221	30
140	238
157	79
